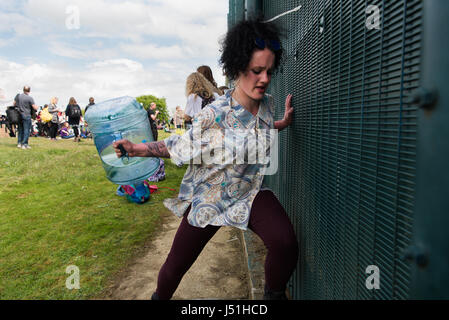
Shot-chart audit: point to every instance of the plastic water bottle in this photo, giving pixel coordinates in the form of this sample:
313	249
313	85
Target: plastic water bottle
115	119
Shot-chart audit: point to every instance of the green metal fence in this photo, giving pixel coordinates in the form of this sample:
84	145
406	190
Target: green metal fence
236	11
347	164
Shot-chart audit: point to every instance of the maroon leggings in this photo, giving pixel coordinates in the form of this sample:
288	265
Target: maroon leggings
268	220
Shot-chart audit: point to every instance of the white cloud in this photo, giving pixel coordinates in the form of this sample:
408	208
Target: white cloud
195	25
102	79
127	18
83	52
7	5
128	65
150	51
17	23
122	47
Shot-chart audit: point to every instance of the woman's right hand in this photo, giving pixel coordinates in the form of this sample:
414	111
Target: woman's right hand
127	145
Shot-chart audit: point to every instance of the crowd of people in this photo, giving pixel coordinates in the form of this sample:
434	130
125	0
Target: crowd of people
49	121
55	122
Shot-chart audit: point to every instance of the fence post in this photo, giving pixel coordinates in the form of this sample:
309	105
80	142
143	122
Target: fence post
254	9
429	254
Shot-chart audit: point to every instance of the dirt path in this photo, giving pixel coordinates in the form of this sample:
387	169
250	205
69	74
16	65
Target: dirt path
219	272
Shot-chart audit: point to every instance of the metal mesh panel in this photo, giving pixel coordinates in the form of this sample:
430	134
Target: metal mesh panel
236	12
347	164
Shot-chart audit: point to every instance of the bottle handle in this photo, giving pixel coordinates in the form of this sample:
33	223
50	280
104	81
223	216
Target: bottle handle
123	151
125	155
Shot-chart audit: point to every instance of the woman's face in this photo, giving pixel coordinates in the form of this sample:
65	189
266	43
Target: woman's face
254	81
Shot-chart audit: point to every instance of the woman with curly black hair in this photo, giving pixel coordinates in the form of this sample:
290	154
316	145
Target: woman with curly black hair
229	193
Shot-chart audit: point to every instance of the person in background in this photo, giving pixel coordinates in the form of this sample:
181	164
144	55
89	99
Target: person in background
85	133
3	121
178	119
53	109
73	114
199	92
91	103
207	73
24	103
10	127
85	127
39	123
65	131
229	193
34	129
44	126
152	115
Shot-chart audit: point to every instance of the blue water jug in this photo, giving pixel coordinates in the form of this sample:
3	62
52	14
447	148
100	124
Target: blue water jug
115	119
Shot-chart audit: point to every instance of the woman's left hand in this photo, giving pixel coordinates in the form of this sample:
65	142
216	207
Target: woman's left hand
288	114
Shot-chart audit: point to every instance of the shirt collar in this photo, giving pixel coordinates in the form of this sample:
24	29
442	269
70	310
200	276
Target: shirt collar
246	117
264	111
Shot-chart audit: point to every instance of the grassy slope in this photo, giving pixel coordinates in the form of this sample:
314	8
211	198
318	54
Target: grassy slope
58	209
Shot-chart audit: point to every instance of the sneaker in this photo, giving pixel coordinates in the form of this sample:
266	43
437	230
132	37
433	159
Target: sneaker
25	146
19	145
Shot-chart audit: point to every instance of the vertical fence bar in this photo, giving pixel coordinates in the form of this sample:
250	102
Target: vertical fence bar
430	251
253	9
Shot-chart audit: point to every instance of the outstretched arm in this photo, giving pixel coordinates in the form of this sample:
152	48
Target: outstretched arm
148	149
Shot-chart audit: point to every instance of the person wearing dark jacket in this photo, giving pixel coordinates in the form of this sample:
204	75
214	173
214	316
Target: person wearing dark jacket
91	103
24	103
73	113
152	115
10	127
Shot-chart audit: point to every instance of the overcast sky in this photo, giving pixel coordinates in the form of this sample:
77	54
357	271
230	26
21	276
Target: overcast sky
110	49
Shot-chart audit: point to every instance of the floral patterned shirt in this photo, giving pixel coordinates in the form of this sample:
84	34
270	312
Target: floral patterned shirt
221	191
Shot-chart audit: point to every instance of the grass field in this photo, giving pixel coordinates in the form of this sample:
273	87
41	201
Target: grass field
57	209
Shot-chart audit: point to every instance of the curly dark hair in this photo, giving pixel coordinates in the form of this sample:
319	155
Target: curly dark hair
239	44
